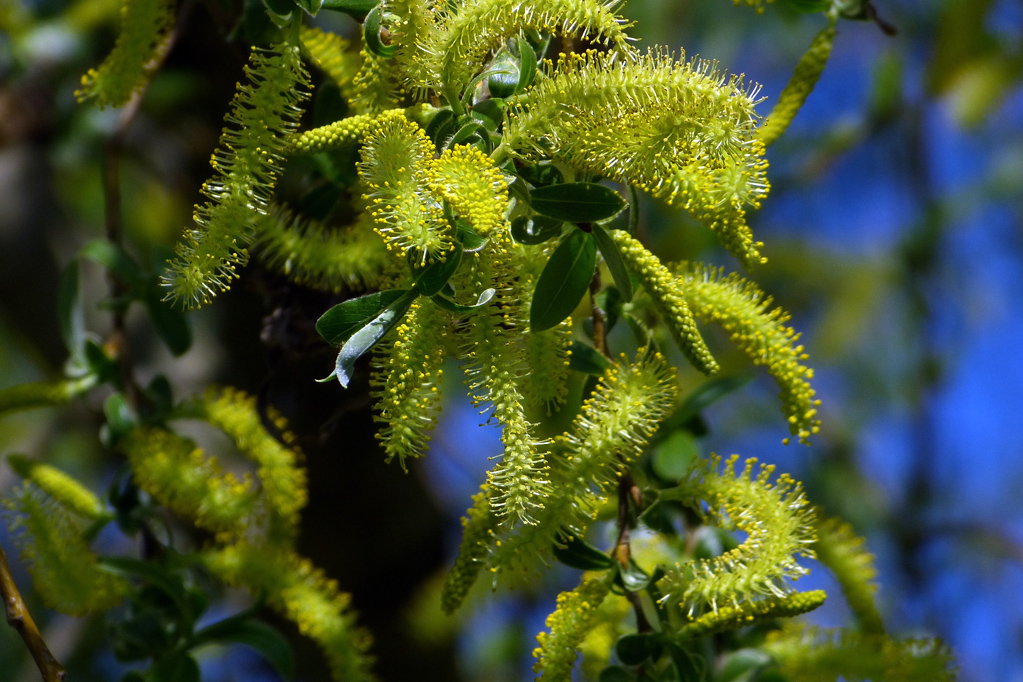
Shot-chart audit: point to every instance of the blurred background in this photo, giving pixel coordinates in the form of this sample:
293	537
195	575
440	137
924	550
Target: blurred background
894	233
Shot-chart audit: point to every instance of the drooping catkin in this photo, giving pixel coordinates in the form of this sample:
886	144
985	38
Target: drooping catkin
743	310
246	166
145	27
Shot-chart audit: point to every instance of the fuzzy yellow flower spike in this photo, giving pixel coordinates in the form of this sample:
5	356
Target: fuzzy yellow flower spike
569	624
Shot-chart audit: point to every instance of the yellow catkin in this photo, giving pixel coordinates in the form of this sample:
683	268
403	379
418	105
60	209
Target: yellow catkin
610	431
751	612
310	253
407	380
60	486
396	169
246	165
43	393
64	570
573	618
778	523
302	593
473	186
808	72
333	55
668	295
184	479
334	136
145	25
810	654
479	525
679	130
846	555
282	480
760	332
374	88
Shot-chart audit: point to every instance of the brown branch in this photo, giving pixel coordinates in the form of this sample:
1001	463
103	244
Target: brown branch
20	619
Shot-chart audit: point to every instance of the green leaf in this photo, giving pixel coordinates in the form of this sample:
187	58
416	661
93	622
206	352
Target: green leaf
469	133
344	319
586	359
116	260
564	281
704	396
451	306
577	202
152	573
615	673
489	112
441	127
674	455
580	554
613	258
633	577
279	10
367	337
70	315
467	236
170	324
527	66
541	175
635	648
179	667
268	642
371	34
311	7
356	8
740	665
610	301
689	667
535	229
120	418
431	279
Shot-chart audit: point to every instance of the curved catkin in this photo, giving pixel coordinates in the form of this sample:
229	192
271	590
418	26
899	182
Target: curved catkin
479	527
573	618
333	55
60	486
458	47
750	612
396	169
810	654
374	88
304	595
282	480
182	478
468	180
779	527
677	129
310	253
246	166
64	570
668	295
145	26
743	311
627	405
808	72
494	373
846	555
407	379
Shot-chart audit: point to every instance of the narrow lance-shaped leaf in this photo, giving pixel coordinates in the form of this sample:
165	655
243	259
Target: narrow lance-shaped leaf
613	258
564	281
577	202
366	337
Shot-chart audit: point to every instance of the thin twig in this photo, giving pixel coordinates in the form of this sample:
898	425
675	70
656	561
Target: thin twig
599	317
20	619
